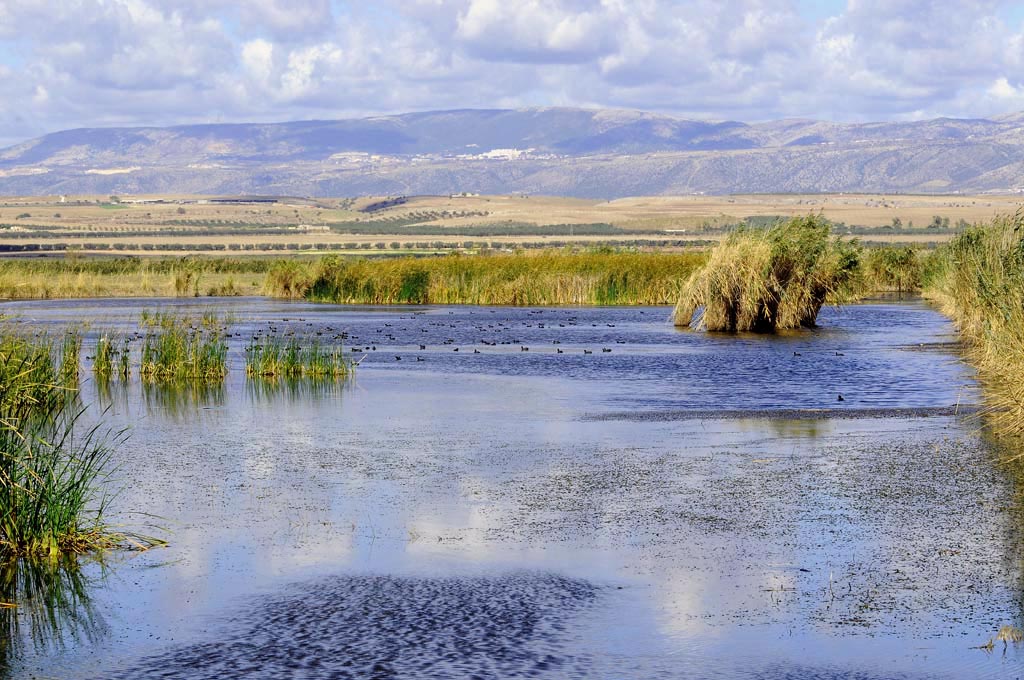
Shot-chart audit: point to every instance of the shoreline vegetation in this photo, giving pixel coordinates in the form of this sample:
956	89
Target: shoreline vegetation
53	469
978	281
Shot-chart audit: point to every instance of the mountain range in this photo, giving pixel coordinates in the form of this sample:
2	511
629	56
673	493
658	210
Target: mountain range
558	151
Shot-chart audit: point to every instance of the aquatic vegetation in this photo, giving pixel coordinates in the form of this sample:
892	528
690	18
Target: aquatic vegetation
978	279
70	362
181	349
599	277
111	358
48	475
762	280
272	357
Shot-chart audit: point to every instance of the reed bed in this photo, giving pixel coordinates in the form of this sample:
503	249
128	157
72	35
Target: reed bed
894	269
544	278
75	277
272	357
978	280
765	279
180	348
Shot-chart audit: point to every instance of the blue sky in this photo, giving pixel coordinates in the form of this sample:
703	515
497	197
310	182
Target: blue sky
82	63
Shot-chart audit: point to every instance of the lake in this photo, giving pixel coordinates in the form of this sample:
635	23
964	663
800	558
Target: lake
552	493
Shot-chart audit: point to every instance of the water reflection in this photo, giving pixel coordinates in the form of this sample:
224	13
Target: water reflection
295	389
182	400
45	605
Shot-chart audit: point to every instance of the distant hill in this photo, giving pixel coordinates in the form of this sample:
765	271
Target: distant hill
563	151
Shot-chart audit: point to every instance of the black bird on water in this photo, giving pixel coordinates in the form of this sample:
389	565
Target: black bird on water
840	398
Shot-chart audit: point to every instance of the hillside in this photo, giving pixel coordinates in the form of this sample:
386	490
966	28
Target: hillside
557	151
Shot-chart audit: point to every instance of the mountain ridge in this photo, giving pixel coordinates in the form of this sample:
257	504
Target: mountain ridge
594	153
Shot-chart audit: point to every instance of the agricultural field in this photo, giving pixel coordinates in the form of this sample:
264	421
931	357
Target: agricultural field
180	225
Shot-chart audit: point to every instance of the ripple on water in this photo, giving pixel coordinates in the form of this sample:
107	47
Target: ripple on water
510	626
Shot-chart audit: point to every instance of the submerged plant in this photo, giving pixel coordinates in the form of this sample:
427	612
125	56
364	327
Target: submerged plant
762	280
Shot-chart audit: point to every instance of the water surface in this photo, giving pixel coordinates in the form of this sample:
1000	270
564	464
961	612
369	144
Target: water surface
682	505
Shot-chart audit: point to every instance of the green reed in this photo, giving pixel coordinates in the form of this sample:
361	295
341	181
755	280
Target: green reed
51	470
177	348
272	357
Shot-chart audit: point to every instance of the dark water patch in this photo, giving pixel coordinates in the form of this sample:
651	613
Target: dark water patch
511	626
784	414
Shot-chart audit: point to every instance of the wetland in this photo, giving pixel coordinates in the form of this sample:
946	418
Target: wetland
500	492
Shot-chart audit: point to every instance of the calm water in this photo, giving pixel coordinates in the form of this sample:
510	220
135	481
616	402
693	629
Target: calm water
681	506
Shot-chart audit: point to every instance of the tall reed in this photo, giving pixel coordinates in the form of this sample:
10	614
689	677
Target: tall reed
978	279
543	278
774	278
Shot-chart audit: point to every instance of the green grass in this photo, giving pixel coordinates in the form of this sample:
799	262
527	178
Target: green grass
544	278
765	279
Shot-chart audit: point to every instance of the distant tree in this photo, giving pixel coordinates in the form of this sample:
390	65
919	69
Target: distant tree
115	199
897	223
180	210
936	222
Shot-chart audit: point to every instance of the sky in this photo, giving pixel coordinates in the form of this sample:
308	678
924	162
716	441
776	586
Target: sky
89	63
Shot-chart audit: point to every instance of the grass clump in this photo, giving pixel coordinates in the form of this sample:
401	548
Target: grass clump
978	280
179	349
273	357
762	280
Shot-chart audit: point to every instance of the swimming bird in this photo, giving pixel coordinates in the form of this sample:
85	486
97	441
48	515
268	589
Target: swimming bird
840	398
587	351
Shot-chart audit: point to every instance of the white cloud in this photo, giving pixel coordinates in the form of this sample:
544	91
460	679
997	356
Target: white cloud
73	63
